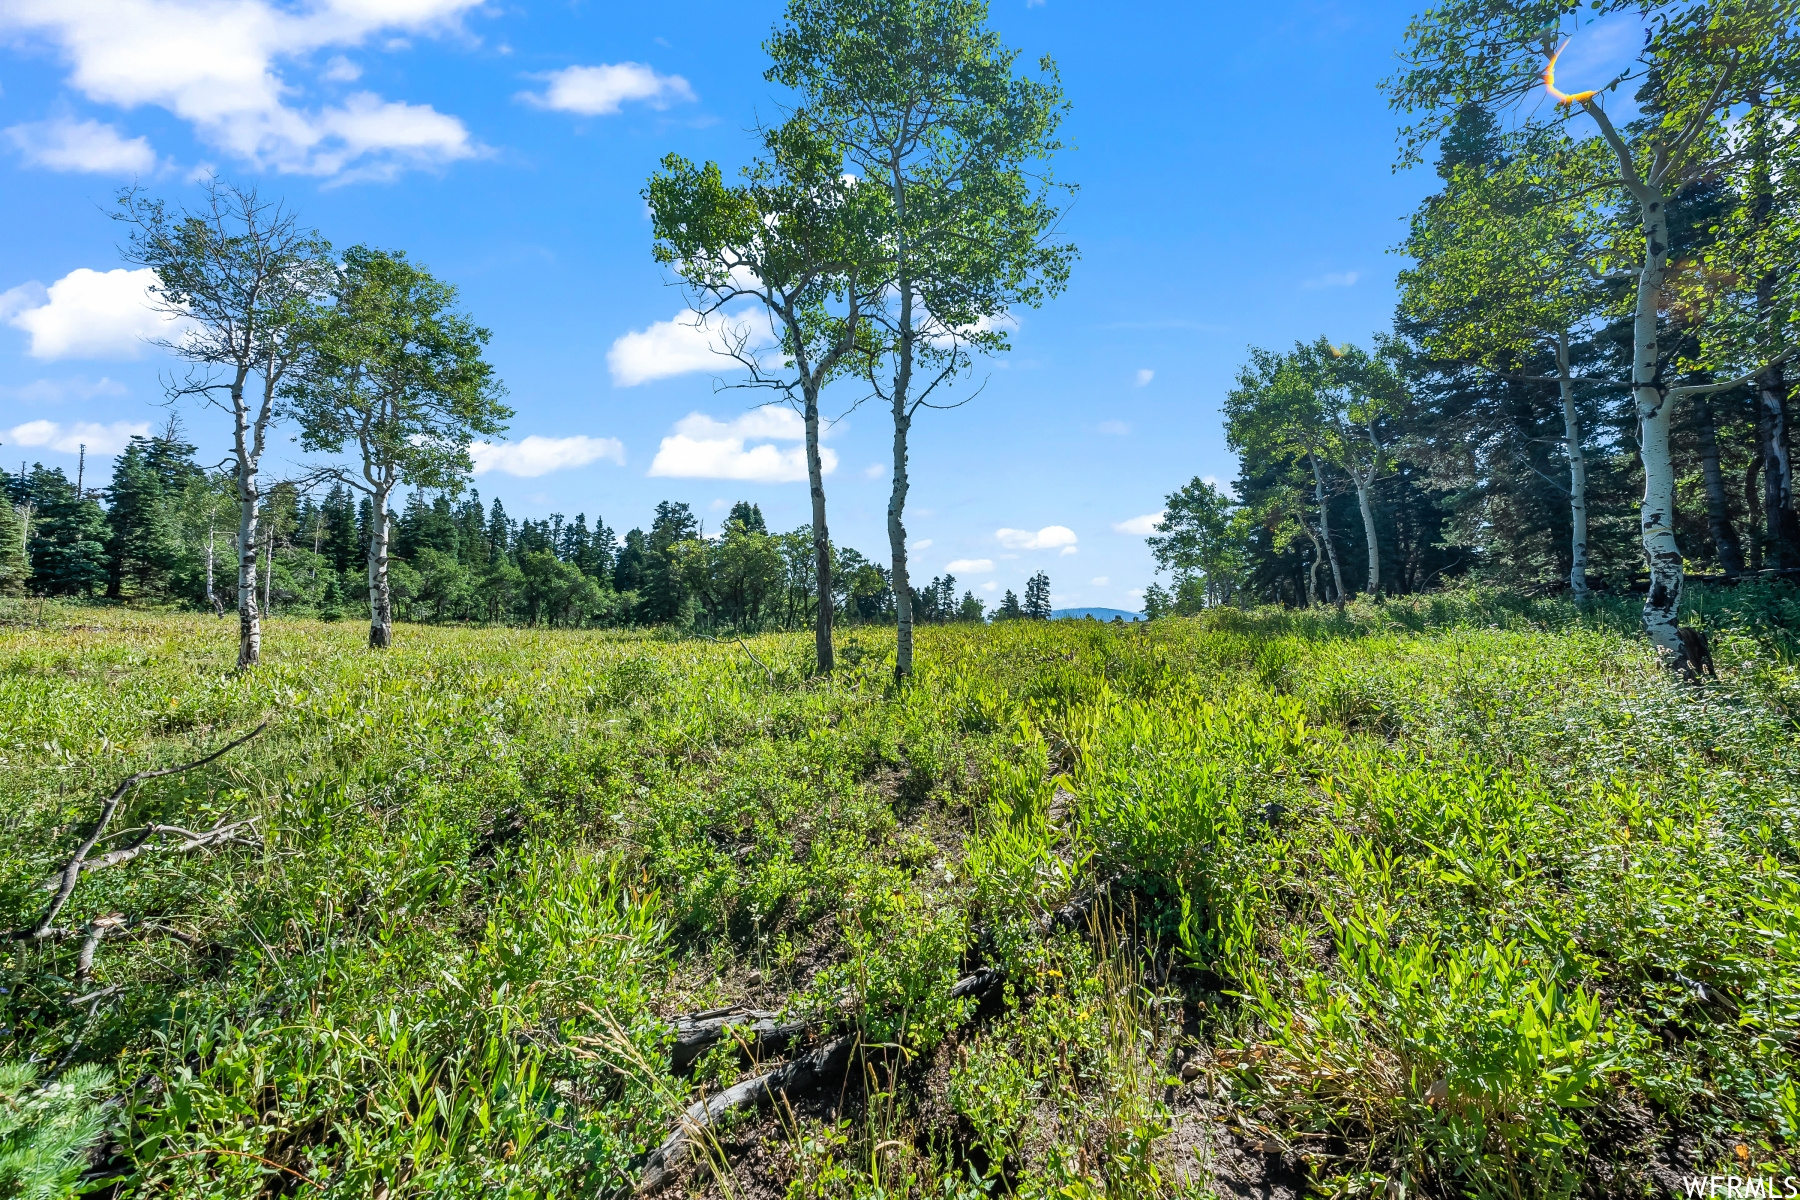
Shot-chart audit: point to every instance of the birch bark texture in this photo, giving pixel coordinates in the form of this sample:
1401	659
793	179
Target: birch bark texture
923	99
392	367
798	239
234	275
1699	63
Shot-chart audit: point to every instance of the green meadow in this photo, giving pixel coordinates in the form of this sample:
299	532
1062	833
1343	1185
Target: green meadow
1457	895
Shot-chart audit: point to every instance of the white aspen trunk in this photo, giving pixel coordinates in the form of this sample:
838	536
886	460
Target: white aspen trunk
1778	470
1312	570
1573	445
815	478
249	619
381	615
211	596
1656	515
1337	572
903	639
269	575
1363	489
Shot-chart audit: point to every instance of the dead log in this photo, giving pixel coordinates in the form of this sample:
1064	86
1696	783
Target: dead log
760	1032
827	1064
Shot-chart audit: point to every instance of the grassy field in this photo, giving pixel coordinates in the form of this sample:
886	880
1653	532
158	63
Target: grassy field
1463	894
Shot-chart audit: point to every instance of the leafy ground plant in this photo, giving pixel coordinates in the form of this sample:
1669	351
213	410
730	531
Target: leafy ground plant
1462	895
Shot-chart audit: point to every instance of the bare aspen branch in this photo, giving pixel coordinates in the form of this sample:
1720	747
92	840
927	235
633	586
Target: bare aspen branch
72	872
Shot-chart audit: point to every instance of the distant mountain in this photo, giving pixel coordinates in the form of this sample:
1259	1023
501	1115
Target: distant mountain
1099	614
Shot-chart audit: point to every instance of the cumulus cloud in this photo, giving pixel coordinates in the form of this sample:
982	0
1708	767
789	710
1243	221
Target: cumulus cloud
65	144
874	470
1115	428
88	314
1099	581
685	343
69	439
218	65
702	448
600	91
1050	537
920	544
990	586
536	455
1142	526
970	566
1332	279
1144	376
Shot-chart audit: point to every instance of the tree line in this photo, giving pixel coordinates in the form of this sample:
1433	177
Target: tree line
1586	381
162	532
159	532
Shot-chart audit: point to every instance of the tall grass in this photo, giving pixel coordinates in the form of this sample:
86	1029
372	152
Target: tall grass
1462	894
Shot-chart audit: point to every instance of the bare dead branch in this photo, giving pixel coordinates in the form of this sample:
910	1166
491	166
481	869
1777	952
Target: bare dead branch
72	871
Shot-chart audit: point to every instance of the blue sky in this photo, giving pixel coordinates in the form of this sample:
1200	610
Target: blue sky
1236	188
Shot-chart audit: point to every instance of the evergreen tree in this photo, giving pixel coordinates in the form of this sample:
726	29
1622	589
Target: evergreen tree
749	515
499	532
14	568
1037	597
67	543
342	544
970	609
143	542
662	589
628	564
1009	609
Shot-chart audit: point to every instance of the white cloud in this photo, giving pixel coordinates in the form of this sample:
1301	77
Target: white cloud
1144	376
536	455
1140	526
1115	428
702	448
65	144
341	70
1099	581
88	314
68	439
1332	279
874	470
1050	537
677	346
970	566
1135	593
599	91
990	586
921	544
55	391
214	64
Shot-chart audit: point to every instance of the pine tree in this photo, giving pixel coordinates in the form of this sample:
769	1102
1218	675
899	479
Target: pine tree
749	515
142	542
1037	597
499	531
1009	609
14	569
663	594
67	544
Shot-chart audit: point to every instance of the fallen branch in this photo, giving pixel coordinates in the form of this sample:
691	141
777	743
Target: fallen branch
224	833
747	650
697	1031
72	872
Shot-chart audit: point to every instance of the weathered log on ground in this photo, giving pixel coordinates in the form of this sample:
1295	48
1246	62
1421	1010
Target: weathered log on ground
761	1032
827	1064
